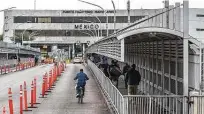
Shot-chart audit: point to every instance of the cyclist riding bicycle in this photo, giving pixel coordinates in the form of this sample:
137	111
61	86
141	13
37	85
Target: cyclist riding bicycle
82	78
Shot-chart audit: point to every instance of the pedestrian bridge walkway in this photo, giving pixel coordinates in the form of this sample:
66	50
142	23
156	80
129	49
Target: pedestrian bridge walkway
169	59
146	104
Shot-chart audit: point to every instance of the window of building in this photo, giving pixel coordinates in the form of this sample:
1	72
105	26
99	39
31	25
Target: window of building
200	15
20	19
44	19
79	33
200	29
74	19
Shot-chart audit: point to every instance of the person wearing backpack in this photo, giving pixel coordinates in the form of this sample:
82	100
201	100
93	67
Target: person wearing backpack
114	72
133	77
125	70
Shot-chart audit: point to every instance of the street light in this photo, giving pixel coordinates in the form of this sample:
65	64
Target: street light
90	22
7	9
103	11
17	27
99	21
32	34
24	32
114	15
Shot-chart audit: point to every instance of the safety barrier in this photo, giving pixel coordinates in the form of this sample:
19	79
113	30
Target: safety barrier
48	83
8	62
5	69
147	104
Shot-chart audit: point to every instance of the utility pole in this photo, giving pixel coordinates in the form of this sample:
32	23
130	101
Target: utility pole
128	10
114	15
34	4
166	6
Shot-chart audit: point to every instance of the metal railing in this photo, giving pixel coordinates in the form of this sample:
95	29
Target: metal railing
14	46
147	104
8	62
115	97
14	61
196	105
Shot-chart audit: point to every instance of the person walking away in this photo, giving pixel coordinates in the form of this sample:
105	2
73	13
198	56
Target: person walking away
81	78
114	72
133	77
125	70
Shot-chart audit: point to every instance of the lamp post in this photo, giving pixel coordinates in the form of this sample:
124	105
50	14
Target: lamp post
100	23
15	30
98	20
87	34
24	32
90	22
114	15
32	34
128	10
103	11
7	9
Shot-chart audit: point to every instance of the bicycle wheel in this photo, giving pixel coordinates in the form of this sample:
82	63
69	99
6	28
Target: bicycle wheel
81	95
79	99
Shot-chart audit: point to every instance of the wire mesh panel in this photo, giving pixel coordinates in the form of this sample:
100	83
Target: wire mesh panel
110	48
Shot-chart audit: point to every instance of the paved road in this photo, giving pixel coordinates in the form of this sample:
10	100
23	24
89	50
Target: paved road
14	80
62	100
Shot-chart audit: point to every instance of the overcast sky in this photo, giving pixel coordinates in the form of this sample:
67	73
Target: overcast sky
75	4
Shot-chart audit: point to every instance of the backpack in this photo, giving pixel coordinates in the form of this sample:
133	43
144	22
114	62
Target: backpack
115	71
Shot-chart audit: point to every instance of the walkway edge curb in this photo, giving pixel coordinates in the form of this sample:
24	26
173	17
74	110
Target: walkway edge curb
109	105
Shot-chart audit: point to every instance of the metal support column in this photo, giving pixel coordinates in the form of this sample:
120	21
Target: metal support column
178	17
73	50
162	67
128	10
185	46
166	5
157	69
69	52
169	66
84	47
153	76
149	71
7	57
185	52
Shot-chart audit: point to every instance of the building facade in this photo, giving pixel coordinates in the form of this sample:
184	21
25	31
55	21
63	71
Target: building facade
72	30
50	29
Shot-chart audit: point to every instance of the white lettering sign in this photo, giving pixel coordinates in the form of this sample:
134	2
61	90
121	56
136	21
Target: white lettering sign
86	26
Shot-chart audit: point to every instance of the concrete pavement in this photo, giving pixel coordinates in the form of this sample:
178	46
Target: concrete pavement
14	80
62	99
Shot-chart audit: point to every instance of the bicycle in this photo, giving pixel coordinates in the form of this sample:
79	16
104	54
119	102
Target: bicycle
81	96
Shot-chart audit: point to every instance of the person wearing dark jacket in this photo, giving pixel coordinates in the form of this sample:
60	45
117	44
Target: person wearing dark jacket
114	72
125	70
81	78
133	77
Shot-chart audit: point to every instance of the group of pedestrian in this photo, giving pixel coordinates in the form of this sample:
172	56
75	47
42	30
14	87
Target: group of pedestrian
132	76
